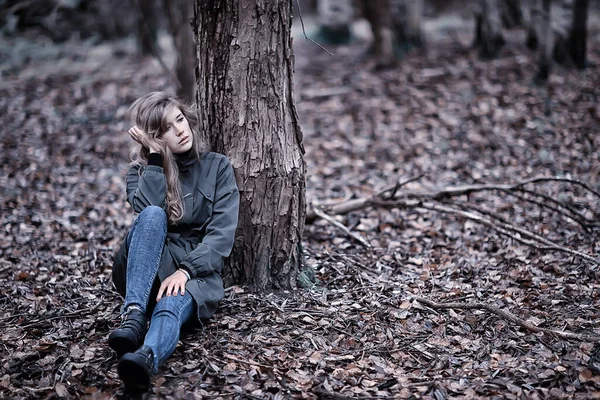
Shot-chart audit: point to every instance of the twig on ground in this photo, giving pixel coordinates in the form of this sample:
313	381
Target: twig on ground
340	226
507	315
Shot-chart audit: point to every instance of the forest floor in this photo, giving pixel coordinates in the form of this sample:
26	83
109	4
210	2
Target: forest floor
442	116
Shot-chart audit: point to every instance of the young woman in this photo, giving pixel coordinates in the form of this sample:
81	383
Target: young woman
168	268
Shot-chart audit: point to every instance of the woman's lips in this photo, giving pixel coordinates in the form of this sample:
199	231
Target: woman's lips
184	140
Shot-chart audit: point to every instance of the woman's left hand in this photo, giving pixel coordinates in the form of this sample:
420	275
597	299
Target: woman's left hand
173	284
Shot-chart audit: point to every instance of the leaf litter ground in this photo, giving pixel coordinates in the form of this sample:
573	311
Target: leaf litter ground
442	115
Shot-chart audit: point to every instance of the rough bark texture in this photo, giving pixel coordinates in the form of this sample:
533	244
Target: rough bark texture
179	13
246	111
377	12
488	28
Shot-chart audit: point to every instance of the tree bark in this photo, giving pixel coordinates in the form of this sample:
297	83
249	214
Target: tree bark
246	111
179	13
488	28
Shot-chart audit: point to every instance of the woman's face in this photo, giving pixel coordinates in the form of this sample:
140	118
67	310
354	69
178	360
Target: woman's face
178	136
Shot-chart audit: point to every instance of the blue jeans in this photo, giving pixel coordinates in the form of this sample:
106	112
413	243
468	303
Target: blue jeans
146	241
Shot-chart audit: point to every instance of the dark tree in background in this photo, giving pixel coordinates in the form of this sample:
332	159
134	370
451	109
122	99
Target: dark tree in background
246	110
180	16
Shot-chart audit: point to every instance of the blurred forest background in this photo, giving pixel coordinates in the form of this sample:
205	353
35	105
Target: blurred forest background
452	156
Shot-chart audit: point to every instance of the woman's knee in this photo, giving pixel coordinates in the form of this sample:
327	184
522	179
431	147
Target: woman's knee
153	214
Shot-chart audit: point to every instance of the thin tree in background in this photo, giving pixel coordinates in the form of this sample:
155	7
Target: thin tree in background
379	16
488	28
179	13
407	19
578	33
246	111
541	20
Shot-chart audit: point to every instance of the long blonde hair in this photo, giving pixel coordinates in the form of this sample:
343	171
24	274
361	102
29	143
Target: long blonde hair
148	114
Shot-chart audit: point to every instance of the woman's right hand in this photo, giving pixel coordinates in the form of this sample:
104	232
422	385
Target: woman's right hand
144	139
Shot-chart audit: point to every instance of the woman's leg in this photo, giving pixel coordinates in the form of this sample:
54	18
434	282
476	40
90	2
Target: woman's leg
147	239
145	246
170	313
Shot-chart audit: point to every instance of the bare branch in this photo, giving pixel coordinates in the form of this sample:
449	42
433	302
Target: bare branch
320	213
507	315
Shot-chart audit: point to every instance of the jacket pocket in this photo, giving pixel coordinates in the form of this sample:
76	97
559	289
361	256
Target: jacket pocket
203	208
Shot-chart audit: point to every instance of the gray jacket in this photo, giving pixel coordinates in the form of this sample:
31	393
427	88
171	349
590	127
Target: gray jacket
206	232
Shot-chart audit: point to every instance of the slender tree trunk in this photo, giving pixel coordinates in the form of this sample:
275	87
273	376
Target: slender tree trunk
246	111
488	28
577	41
541	21
147	27
510	12
407	16
335	19
179	13
378	14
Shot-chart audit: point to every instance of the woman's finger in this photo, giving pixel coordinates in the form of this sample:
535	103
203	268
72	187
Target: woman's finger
161	291
170	288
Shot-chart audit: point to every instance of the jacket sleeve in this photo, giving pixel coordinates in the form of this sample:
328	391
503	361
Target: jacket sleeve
217	243
146	189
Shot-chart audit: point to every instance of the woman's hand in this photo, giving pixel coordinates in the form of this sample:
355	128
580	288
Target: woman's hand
144	139
173	284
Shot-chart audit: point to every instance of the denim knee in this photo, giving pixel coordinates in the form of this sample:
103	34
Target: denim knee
153	215
153	212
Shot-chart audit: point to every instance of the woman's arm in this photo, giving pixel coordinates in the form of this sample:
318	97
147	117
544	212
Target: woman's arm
148	188
217	243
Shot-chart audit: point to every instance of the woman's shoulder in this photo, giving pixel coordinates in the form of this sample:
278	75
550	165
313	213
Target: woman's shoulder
214	158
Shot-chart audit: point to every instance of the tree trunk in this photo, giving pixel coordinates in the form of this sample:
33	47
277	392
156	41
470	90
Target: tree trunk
335	19
578	33
407	16
377	12
510	12
246	111
541	22
147	27
488	28
179	13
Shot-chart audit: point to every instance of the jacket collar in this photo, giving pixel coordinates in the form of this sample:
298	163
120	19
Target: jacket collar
186	160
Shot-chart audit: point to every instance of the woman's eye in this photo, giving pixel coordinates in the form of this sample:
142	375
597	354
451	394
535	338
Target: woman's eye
180	120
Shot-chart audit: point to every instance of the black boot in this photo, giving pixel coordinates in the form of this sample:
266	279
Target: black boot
135	369
130	335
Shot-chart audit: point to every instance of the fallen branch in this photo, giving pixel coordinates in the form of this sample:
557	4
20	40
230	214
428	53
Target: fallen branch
340	226
452	191
507	315
505	229
417	200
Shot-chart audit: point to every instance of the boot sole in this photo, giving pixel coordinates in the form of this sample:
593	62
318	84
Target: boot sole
134	376
121	344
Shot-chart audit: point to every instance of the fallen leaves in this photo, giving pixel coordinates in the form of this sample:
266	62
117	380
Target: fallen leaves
358	333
